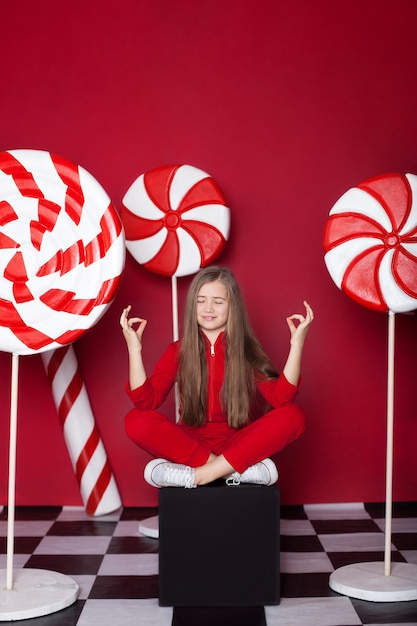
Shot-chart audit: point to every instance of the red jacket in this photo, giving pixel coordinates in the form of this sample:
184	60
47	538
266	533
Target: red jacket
155	389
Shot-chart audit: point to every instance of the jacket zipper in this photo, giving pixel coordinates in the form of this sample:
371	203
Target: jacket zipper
210	392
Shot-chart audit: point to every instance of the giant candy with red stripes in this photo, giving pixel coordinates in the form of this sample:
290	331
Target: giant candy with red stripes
87	453
370	243
176	220
61	251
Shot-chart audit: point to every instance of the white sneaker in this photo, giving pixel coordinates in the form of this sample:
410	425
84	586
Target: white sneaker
162	473
263	473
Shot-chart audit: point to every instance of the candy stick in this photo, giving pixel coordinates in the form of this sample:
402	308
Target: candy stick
390	443
88	456
12	472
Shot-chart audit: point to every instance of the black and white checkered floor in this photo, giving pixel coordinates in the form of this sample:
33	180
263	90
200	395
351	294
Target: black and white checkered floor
117	568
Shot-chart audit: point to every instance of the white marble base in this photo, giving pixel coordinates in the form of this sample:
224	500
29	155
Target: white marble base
367	581
35	592
150	527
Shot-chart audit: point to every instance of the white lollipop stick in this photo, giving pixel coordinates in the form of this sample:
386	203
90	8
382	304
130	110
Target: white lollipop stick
390	443
20	596
88	456
12	472
175	336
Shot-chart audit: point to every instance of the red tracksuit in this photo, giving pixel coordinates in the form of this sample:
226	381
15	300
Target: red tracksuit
192	445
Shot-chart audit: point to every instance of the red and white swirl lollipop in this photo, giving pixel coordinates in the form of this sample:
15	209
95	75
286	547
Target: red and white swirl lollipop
176	220
61	251
61	256
370	243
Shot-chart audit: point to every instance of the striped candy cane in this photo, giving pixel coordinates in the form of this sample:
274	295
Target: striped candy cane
88	456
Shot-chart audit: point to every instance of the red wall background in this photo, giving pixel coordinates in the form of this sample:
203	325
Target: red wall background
286	105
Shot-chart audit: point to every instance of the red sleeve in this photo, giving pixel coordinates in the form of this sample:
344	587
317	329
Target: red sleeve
155	389
277	391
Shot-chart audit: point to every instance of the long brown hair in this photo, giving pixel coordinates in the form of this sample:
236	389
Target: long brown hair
245	357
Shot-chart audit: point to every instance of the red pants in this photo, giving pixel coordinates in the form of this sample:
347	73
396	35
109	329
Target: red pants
191	445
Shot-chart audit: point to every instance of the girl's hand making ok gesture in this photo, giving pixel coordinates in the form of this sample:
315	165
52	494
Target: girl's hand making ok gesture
133	336
299	331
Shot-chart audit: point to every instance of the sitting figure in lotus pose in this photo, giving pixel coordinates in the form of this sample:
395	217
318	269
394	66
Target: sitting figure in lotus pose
220	367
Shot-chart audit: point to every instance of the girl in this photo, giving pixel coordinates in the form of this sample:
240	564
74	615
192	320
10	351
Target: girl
219	365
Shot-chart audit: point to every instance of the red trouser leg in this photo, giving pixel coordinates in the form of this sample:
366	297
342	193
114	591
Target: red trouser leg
161	437
264	437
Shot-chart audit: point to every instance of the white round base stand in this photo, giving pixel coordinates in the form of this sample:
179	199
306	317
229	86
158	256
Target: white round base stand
150	527
367	581
35	592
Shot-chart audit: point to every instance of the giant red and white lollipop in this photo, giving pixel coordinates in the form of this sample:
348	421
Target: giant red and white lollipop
61	256
61	251
370	245
176	222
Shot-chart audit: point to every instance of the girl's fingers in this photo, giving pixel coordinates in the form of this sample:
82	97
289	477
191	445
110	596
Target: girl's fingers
309	310
127	323
296	316
123	317
135	320
309	316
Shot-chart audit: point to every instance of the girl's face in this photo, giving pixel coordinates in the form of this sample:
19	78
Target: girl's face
212	309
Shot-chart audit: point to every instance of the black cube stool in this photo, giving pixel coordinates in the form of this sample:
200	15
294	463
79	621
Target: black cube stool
219	547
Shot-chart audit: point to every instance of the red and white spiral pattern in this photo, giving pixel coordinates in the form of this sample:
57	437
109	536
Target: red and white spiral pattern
61	251
370	243
88	456
175	220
